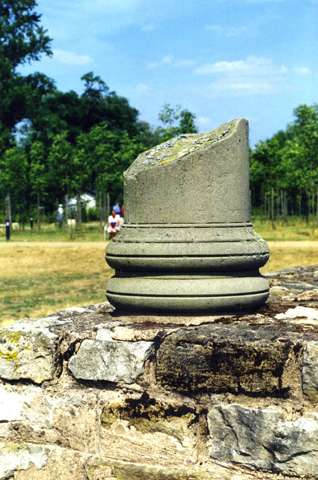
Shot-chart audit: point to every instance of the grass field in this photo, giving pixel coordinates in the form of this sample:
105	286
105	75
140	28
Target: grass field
294	229
44	272
42	277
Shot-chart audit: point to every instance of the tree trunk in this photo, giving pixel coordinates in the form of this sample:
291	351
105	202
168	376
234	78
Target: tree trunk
66	208
107	206
99	208
8	210
38	211
273	209
78	210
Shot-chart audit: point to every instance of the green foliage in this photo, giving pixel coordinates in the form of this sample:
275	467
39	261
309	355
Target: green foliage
176	121
187	122
108	153
22	40
288	162
14	175
38	177
54	143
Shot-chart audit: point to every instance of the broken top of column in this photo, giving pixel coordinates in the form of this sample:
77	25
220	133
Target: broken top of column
193	178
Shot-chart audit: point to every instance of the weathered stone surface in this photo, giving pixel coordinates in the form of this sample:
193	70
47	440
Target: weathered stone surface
181	166
310	371
309	314
27	352
111	361
170	425
264	439
15	457
140	471
61	464
13	402
220	358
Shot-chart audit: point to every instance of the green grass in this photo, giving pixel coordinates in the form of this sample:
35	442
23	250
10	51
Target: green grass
39	278
294	228
88	232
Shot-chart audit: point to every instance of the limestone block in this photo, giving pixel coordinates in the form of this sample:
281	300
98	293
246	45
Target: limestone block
111	361
305	314
225	358
310	371
99	470
264	439
62	463
12	403
28	352
15	457
155	440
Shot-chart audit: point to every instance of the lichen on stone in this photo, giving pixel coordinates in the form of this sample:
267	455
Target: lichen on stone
177	147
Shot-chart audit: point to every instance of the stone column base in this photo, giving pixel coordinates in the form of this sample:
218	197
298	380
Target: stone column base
188	293
187	268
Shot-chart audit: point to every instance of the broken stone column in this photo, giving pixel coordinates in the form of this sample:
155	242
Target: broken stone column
188	245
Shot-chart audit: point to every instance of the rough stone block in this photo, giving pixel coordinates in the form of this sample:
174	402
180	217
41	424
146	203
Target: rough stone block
225	358
310	371
111	361
263	438
17	457
28	352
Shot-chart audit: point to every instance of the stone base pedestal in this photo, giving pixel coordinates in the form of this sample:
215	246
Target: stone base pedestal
188	245
207	268
188	294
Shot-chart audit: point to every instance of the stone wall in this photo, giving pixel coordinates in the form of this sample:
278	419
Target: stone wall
88	395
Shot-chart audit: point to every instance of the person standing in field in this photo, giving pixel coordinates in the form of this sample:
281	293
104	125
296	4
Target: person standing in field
60	216
117	208
113	224
8	229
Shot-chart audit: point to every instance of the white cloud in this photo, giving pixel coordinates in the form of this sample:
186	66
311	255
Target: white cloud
171	61
251	76
87	22
304	71
204	121
226	31
251	66
238	88
149	27
71	58
167	60
184	63
143	89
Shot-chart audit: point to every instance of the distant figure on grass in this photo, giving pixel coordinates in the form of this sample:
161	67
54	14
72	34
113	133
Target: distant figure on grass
114	224
8	229
117	208
60	216
115	221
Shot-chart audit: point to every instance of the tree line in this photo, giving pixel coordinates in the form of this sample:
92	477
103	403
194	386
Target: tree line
54	144
284	169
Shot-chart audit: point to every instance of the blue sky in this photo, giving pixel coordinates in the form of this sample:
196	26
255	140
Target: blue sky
221	59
